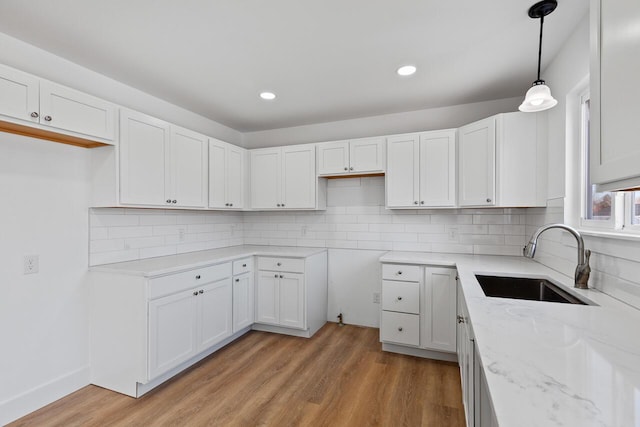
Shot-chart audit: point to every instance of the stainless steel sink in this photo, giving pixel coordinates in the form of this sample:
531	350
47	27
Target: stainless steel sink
525	288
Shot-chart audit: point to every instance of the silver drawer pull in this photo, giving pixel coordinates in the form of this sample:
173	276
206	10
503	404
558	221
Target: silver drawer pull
237	280
279	264
198	277
399	273
399	298
400	329
244	265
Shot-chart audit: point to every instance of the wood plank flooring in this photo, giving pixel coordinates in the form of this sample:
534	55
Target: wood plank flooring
340	377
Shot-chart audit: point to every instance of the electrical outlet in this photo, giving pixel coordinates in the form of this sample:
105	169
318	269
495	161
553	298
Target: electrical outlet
376	297
453	234
181	232
31	264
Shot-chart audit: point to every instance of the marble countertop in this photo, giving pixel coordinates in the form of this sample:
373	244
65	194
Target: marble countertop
151	267
549	364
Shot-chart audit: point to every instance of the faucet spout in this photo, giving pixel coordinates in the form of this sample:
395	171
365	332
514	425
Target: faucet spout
582	270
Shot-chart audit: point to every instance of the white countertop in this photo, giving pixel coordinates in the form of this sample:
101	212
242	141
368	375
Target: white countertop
549	364
151	267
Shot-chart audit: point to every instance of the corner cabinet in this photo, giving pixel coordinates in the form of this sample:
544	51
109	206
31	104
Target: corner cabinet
285	178
27	102
161	165
358	156
291	294
418	314
615	66
421	170
227	168
503	161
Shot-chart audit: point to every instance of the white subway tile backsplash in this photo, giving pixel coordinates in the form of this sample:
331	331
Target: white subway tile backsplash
121	232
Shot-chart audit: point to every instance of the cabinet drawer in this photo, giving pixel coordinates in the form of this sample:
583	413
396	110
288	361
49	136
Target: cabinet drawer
294	265
180	281
400	328
403	272
401	296
242	266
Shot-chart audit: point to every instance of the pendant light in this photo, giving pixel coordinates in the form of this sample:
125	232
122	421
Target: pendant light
538	97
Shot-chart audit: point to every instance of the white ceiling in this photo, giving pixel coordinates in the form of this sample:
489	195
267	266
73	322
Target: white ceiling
326	59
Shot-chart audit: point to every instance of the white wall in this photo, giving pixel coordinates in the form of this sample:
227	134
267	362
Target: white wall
44	188
615	263
389	124
25	57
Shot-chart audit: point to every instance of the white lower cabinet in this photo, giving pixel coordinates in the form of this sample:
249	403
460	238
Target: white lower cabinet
242	301
419	309
291	294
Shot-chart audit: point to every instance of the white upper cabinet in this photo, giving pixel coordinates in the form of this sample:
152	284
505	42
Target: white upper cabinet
359	156
226	175
161	165
28	100
284	178
502	161
615	66
421	170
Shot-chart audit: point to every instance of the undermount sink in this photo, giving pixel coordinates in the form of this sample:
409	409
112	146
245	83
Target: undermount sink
525	288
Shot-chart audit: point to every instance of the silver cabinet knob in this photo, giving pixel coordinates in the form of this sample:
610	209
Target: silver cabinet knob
226	204
198	277
279	264
400	273
276	276
174	201
422	202
48	118
346	168
168	200
195	293
278	204
400	329
230	204
351	168
399	298
283	205
244	265
281	276
201	291
35	115
237	280
488	200
415	202
460	319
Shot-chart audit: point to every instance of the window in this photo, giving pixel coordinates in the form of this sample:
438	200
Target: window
613	211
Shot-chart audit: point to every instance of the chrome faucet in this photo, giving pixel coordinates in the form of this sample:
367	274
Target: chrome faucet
582	270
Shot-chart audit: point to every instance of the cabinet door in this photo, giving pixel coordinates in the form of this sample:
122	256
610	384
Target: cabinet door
333	158
235	177
476	166
267	297
299	177
19	94
68	109
367	155
217	174
438	168
265	178
291	300
615	151
402	179
172	331
189	164
215	305
242	301
439	310
144	159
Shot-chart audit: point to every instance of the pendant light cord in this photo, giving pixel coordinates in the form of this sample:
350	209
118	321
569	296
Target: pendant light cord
540	48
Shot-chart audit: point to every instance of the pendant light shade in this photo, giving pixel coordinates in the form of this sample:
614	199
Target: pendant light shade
538	97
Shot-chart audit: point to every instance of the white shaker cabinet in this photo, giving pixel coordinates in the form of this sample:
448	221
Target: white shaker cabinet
502	161
358	156
439	308
161	164
615	66
37	103
421	170
466	358
226	175
285	178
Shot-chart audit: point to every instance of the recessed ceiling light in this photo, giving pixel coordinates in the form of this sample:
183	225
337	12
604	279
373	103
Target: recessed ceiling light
268	95
406	70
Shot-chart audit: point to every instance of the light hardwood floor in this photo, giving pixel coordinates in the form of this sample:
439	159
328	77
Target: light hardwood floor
340	377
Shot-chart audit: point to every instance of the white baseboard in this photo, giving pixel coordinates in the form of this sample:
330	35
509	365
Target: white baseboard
42	395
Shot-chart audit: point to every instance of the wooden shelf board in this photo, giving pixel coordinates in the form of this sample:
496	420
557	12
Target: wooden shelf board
48	135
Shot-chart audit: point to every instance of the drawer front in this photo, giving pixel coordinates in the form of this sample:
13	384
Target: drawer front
173	283
403	272
242	266
400	328
294	265
401	296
